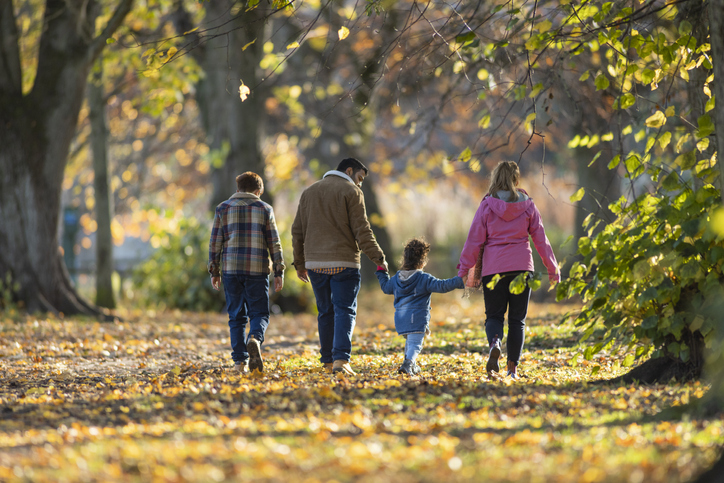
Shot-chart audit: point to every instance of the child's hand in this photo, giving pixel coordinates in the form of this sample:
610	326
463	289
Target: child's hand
465	280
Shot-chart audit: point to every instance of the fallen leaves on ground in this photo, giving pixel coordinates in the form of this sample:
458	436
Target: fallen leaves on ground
155	398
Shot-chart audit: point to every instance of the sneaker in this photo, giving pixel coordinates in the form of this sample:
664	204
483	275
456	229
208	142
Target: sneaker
255	361
409	367
241	368
492	364
343	366
512	371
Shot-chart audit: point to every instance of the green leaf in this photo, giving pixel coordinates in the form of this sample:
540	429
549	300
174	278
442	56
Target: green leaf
518	284
110	41
706	127
650	322
665	139
598	154
578	195
656	120
614	162
461	39
671	182
628	360
627	100
465	156
686	160
709	104
647	76
493	281
602	82
584	246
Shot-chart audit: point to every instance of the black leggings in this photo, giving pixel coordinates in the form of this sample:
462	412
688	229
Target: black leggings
497	301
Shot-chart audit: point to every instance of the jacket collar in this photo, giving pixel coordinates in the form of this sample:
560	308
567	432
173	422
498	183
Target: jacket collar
244	195
334	172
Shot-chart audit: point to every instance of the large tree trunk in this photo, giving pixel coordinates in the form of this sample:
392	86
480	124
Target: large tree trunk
104	207
227	61
36	133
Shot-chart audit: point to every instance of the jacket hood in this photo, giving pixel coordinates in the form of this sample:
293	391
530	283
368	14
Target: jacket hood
407	280
508	211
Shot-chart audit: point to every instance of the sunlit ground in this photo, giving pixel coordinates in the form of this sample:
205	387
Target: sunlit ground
152	398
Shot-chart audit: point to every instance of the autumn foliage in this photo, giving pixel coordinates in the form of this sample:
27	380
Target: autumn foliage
152	398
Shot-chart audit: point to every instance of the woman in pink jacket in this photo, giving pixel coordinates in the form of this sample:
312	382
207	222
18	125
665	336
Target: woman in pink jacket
500	230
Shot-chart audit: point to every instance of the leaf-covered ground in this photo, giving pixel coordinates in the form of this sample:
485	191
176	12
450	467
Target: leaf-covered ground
153	398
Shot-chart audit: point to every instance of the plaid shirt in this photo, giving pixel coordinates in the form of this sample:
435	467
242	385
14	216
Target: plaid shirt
244	229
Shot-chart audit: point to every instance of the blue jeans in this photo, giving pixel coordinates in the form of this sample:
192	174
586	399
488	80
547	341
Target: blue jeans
413	345
337	306
247	300
497	301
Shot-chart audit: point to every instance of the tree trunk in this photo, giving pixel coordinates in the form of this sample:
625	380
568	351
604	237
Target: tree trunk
227	61
37	129
716	38
104	208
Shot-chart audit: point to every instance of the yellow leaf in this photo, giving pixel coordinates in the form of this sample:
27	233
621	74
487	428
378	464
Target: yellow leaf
656	120
293	45
244	91
247	45
171	52
343	32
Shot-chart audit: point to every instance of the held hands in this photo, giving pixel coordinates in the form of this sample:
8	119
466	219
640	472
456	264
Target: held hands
215	282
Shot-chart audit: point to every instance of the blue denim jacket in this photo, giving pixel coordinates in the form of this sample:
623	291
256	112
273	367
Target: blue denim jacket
412	293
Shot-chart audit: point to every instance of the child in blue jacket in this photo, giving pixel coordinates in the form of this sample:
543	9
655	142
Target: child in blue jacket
412	289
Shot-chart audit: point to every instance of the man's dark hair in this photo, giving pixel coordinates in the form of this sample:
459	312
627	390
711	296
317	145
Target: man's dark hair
249	182
353	163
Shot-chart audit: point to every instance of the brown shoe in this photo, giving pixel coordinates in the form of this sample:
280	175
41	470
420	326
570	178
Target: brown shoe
255	361
241	368
328	366
343	366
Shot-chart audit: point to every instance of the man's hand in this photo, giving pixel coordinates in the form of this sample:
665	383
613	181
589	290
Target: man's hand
216	282
303	275
387	268
278	283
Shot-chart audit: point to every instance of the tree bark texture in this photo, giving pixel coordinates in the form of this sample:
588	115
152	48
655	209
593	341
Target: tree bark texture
228	59
104	207
716	38
35	135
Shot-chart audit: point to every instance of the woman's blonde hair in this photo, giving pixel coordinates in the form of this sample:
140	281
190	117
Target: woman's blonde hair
504	178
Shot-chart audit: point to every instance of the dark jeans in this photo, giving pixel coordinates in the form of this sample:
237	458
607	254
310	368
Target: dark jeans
337	306
247	300
497	301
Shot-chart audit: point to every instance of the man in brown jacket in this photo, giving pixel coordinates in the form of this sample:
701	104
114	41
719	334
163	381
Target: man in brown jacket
328	232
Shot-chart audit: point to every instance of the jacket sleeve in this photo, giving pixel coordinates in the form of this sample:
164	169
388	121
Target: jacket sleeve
361	228
385	284
274	244
298	228
216	244
477	236
543	246
436	285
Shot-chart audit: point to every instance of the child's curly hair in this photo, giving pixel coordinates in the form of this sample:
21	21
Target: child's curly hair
415	254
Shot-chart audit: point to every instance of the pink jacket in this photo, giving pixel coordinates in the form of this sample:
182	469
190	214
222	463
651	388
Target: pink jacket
503	229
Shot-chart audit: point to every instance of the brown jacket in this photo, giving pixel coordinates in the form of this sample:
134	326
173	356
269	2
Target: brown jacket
331	226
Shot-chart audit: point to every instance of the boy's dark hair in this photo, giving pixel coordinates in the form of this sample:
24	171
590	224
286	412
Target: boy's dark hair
353	163
415	254
249	182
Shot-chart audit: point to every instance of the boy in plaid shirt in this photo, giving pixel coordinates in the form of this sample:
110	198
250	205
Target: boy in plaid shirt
243	238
